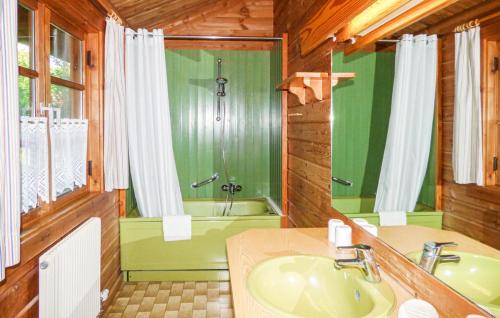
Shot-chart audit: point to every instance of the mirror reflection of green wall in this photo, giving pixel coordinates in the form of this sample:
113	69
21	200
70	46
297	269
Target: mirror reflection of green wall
361	111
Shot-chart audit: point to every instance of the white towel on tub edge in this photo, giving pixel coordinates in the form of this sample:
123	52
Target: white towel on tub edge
176	227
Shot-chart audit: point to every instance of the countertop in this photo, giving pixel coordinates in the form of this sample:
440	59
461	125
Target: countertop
249	248
411	238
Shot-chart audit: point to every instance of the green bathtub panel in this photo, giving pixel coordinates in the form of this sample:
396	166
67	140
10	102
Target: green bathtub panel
196	134
155	276
275	126
357	207
143	248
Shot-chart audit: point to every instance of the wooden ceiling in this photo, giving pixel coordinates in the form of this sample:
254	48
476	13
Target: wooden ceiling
200	17
447	15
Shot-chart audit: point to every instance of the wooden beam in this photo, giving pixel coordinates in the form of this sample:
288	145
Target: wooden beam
106	7
328	20
284	133
411	16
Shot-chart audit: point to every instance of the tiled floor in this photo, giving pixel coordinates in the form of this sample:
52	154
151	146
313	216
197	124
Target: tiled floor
172	300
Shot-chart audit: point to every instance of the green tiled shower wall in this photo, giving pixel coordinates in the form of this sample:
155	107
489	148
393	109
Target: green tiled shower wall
361	110
253	121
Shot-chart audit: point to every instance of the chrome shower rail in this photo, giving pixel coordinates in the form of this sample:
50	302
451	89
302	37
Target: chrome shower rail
225	38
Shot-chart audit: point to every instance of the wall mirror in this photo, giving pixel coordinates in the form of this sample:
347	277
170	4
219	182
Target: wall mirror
397	132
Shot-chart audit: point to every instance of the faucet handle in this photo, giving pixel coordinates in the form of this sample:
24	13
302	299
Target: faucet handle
435	246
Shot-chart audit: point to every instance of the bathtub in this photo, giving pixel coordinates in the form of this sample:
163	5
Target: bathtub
362	207
146	256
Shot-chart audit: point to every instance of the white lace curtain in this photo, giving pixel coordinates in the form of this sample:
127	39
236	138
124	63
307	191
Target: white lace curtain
34	162
68	151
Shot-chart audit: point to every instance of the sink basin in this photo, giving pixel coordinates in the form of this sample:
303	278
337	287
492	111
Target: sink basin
310	286
475	277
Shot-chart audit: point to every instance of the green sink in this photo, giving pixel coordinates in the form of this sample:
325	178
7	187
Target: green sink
310	286
475	276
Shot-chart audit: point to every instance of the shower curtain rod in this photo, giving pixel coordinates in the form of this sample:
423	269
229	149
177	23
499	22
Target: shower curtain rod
216	37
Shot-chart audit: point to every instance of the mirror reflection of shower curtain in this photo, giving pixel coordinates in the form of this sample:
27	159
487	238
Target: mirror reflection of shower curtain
151	154
467	125
409	136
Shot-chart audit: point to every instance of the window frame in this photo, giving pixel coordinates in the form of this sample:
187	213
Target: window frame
490	87
43	19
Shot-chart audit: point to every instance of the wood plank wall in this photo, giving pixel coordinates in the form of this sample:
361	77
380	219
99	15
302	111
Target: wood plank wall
468	209
19	292
309	133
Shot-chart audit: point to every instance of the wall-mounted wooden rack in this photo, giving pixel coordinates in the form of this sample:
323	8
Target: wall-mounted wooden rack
299	82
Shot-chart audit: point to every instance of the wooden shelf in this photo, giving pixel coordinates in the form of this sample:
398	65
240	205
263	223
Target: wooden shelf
338	77
317	82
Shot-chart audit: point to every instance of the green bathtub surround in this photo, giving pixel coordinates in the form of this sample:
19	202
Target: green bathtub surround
474	276
144	253
196	134
362	207
275	126
361	111
310	286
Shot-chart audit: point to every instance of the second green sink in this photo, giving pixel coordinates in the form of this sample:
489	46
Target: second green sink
310	286
474	276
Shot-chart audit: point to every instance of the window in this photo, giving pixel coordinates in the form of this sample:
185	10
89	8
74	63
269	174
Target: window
66	89
51	74
26	61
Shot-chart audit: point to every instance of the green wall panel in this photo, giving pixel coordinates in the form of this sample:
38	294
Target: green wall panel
275	126
361	111
196	134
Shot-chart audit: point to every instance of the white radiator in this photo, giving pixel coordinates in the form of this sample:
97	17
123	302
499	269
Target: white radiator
69	283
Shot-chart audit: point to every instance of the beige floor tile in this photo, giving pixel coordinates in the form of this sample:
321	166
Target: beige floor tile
152	290
158	311
226	313
131	311
213	309
127	290
119	305
189	285
212	294
187	296
201	288
174	302
162	296
200	302
199	313
143	315
165	285
171	314
147	304
137	297
176	289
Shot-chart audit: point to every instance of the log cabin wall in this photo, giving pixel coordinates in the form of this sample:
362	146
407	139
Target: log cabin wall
308	134
43	227
468	209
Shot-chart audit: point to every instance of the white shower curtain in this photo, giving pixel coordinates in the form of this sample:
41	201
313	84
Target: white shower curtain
410	128
10	176
467	125
115	125
152	163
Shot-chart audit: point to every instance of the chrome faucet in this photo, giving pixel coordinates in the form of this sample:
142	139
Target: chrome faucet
364	261
431	255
